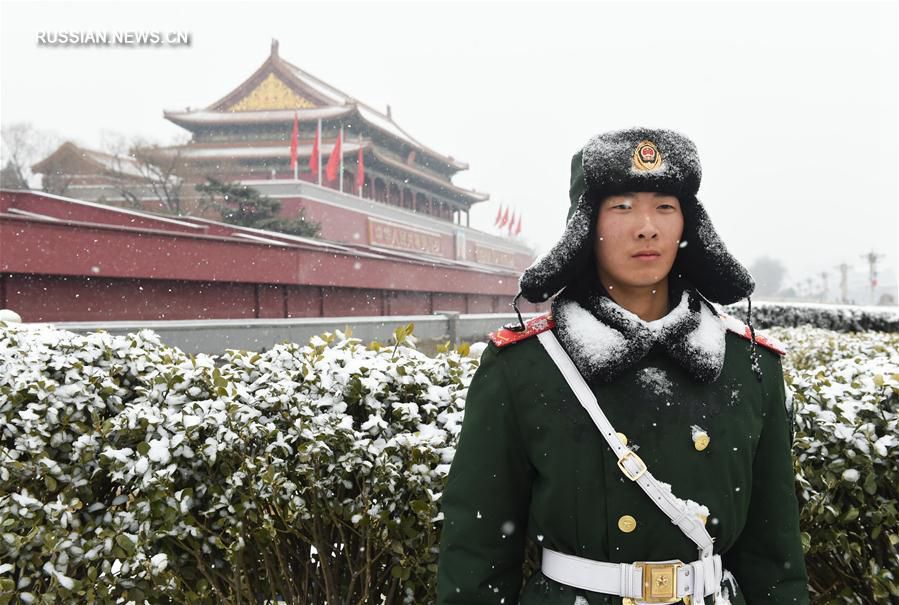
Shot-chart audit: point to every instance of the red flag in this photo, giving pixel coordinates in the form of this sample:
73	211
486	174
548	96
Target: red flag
505	219
334	161
360	170
499	215
511	223
518	228
313	159
294	139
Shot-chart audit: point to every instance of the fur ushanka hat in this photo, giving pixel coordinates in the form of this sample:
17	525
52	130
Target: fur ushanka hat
632	160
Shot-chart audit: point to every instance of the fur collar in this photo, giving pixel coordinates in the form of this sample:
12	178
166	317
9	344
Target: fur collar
604	339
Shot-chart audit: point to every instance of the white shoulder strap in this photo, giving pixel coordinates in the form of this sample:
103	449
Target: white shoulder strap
628	461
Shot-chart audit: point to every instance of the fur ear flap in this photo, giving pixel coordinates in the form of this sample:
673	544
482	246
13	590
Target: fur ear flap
558	267
705	260
578	184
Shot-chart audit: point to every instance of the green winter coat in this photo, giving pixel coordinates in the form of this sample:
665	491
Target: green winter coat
530	462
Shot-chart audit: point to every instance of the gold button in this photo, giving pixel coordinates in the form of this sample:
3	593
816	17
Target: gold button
622	438
627	601
701	442
688	600
627	524
704	519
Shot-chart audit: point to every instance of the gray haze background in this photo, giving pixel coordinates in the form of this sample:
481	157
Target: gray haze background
793	105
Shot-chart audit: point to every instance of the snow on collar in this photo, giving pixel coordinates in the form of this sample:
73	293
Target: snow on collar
604	339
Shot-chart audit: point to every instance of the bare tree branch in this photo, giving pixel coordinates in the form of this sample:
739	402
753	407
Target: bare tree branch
22	146
143	167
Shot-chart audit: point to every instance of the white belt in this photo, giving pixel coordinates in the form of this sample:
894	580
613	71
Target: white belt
647	582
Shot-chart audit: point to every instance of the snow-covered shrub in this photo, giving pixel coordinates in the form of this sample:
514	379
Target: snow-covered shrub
840	318
845	390
133	471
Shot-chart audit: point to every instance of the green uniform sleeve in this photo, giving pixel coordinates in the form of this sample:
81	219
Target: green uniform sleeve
486	498
767	560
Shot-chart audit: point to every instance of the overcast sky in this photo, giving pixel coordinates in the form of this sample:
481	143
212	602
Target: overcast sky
793	106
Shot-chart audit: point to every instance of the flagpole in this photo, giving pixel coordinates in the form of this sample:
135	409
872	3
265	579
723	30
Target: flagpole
319	152
340	173
358	167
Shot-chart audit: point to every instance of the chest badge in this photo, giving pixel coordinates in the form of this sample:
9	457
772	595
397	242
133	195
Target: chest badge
646	156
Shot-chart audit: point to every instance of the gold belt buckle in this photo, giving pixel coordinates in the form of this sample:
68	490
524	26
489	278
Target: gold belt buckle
631	454
659	581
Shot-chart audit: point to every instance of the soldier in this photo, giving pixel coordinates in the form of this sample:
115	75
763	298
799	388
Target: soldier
639	437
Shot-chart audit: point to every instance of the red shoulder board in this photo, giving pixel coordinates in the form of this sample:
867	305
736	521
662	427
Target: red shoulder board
533	326
738	327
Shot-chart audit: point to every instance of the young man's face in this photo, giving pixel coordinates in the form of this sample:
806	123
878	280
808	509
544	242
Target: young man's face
629	226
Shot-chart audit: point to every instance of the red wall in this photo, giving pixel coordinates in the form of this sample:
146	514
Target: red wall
79	298
98	264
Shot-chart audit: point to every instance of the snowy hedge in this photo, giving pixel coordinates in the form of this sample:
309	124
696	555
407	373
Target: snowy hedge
132	471
845	391
312	473
840	318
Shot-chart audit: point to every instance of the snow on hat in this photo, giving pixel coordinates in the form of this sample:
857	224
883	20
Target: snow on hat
638	159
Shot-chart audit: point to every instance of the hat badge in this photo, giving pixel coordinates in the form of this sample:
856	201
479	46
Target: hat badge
646	156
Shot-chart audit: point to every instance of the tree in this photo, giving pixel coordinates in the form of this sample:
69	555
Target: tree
245	206
768	274
11	178
23	145
152	169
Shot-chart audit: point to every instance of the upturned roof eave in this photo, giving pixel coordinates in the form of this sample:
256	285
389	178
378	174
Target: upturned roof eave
309	85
